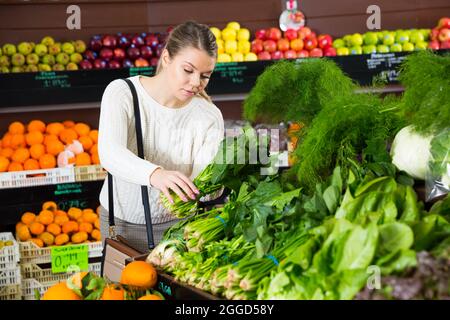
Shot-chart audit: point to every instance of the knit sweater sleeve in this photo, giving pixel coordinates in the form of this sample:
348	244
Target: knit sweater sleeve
116	113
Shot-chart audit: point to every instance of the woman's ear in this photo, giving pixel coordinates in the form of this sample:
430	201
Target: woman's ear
165	58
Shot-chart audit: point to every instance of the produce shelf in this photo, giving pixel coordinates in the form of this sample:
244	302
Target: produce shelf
174	290
11	292
81	86
9	255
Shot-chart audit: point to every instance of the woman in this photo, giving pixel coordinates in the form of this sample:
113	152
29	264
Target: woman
181	128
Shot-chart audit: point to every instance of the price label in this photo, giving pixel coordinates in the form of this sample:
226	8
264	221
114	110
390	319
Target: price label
69	258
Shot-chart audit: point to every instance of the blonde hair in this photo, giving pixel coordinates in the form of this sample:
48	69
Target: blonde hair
190	34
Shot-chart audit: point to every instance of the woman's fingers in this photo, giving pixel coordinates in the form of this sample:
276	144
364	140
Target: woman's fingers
176	189
188	182
183	185
167	194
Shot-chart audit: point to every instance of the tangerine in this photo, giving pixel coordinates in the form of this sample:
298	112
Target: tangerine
37	151
68	135
20	155
36	125
139	274
54	128
60	291
47	161
31	164
15	166
16	127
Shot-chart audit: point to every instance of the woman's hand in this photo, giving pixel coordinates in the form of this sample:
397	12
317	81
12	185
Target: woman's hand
165	180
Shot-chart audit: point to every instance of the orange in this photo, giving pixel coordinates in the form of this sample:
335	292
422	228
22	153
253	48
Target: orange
75	213
60	291
50	138
16	127
86	142
70	226
28	218
18	141
59	213
23	233
20	155
46	217
98	209
15	166
139	274
37	228
6	140
113	292
97	223
34	137
36	125
150	297
36	151
49	205
31	164
83	159
37	242
54	229
93	134
60	220
47	161
96	235
79	237
55	147
82	129
54	128
89	216
86	227
68	123
95	159
7	152
19	225
4	163
61	239
94	149
68	135
76	279
48	238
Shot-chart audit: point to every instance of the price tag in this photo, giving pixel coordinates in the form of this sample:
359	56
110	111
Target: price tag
68	258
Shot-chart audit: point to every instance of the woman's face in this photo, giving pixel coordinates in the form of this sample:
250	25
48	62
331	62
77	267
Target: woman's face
189	72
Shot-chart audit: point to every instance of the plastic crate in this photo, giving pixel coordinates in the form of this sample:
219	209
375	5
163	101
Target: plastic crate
9	255
30	270
31	253
11	292
30	285
28	178
89	173
10	276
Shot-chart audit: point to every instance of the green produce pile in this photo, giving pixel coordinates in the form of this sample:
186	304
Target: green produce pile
322	229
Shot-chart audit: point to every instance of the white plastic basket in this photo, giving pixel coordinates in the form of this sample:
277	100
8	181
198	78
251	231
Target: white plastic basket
30	285
12	292
34	271
28	178
31	253
9	255
89	173
10	276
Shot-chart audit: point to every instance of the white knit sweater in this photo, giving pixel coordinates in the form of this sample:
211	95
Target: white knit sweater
184	139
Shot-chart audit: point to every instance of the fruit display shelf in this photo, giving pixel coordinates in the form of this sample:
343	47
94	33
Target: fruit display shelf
63	87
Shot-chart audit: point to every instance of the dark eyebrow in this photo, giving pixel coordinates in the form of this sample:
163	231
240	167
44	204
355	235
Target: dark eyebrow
196	67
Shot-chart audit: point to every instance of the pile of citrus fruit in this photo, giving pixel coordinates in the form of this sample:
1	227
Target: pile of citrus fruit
55	227
44	146
137	282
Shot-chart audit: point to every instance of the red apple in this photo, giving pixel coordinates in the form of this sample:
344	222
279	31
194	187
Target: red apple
444	23
316	52
310	44
159	49
444	34
99	64
137	41
154	61
312	35
123	42
257	46
261	34
325	41
114	64
90	55
445	44
304	32
151	40
141	62
330	52
297	44
119	54
95	44
86	65
291	34
270	46
127	63
274	34
109	41
290	54
302	54
434	45
133	53
277	55
106	54
146	52
264	55
434	34
283	44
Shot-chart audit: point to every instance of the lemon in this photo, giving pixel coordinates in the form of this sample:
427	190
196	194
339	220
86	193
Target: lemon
237	57
228	34
234	25
231	46
223	57
216	32
244	47
251	57
243	35
220	46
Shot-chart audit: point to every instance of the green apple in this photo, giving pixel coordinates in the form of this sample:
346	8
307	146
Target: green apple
371	48
356	39
32	59
251	57
338	43
396	47
48	41
426	33
370	38
31	68
40	49
58	67
4	61
423	45
382	48
44	67
9	49
76	57
1	52
356	50
80	46
4	69
17	69
24	48
388	39
344	51
347	39
72	66
18	59
68	48
48	59
416	37
408	47
54	49
62	58
402	37
32	44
